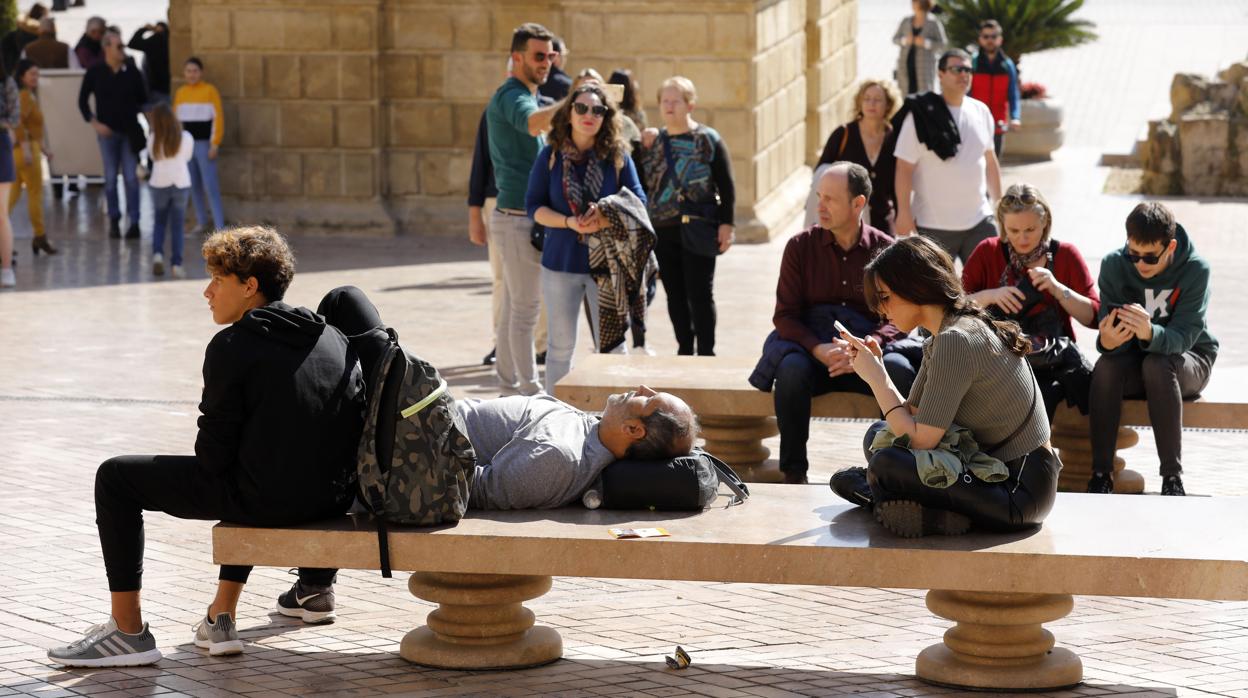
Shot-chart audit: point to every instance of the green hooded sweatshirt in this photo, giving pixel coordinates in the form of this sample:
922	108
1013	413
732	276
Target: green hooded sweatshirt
1177	299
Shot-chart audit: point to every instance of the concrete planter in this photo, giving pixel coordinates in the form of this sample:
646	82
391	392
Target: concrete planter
1040	134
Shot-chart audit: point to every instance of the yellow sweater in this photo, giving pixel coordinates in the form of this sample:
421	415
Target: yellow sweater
31	126
198	107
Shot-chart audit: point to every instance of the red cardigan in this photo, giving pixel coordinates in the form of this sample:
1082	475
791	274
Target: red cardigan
983	271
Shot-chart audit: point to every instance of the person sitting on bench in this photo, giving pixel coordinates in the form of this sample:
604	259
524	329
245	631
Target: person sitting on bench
973	377
281	416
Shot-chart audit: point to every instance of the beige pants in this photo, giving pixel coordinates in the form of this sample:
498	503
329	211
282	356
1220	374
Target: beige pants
496	270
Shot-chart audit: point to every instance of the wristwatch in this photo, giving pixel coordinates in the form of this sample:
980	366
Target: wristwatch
1066	294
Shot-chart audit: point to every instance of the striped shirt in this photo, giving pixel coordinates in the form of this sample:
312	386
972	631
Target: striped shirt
970	378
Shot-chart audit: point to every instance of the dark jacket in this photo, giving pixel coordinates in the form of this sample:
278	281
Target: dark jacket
11	46
155	48
933	123
119	96
481	178
47	52
89	52
282	413
557	85
819	319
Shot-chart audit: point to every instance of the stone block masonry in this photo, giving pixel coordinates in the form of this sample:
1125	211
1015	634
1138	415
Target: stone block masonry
358	116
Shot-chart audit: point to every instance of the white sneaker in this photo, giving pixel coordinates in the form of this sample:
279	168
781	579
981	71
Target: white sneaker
177	272
158	264
7	278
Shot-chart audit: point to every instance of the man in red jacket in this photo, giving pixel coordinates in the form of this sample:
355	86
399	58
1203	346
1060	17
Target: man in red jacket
995	81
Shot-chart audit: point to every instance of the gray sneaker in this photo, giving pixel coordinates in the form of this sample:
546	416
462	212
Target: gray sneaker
106	646
219	638
312	604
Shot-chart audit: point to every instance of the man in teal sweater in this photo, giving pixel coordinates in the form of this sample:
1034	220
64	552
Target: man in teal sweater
1154	340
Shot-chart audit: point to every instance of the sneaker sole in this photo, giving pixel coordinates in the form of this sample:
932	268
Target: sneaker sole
912	520
220	649
309	617
137	659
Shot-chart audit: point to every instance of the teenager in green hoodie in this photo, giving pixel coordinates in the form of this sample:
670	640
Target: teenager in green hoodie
1154	340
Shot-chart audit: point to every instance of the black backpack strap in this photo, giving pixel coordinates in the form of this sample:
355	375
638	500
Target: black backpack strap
383	547
729	477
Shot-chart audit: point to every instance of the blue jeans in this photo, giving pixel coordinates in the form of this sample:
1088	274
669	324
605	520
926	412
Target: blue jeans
117	155
169	204
563	293
204	181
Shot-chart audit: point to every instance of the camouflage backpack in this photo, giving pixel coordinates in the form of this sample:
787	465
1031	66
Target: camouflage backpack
415	463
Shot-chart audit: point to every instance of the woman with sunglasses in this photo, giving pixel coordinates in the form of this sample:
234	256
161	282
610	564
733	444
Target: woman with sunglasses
585	160
974	382
1025	275
921	37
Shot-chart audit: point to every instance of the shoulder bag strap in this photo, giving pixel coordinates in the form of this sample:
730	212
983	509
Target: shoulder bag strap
844	139
727	476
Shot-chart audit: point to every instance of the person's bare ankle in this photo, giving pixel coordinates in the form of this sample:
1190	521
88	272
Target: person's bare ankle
129	626
213	612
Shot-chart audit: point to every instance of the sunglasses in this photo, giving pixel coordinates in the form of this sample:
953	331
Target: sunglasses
582	109
1149	259
545	57
963	69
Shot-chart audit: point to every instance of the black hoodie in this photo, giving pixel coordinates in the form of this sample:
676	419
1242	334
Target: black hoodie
282	412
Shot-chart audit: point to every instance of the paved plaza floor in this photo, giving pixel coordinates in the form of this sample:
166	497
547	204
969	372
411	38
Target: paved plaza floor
99	359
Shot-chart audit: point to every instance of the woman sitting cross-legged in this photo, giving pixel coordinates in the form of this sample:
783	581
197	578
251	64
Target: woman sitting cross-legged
281	418
971	444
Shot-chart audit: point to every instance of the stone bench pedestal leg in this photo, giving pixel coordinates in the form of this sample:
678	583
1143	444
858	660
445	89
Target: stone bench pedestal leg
738	441
998	642
1074	447
480	623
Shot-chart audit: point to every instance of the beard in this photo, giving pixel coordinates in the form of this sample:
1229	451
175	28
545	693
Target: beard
532	75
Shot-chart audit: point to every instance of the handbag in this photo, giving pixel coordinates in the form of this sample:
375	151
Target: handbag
684	483
699	222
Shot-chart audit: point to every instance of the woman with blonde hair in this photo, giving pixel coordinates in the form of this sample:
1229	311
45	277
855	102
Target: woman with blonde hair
170	183
1044	285
868	139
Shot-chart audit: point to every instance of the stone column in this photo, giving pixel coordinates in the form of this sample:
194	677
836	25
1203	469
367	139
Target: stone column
831	69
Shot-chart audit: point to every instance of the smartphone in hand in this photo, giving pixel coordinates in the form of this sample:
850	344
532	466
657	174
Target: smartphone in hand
845	333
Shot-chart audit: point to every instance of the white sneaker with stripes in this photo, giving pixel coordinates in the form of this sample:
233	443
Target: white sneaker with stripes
105	645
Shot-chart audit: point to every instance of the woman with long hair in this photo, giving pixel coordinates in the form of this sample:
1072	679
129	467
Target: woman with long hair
170	184
921	38
584	161
634	118
971	444
198	106
10	118
30	144
868	139
1042	283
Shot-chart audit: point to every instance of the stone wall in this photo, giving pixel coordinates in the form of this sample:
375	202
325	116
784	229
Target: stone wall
359	115
1201	149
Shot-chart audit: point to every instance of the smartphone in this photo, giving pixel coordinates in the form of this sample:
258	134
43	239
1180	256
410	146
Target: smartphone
845	334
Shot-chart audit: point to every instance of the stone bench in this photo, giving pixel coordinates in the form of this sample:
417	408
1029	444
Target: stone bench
999	589
736	416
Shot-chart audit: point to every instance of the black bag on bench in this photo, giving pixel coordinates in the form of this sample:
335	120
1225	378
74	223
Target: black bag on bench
686	483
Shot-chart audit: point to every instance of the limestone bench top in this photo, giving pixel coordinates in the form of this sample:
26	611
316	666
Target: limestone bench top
1192	547
720	385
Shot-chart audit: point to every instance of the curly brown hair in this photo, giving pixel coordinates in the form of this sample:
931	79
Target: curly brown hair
609	144
248	251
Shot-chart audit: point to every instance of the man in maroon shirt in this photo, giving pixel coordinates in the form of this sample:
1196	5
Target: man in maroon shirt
821	280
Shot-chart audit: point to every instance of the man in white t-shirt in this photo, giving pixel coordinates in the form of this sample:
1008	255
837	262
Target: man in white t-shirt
951	196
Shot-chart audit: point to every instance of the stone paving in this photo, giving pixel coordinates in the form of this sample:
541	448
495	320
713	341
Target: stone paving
101	359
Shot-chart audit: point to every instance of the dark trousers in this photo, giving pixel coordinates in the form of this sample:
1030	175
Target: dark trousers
1022	501
689	281
1165	380
799	379
997	142
127	486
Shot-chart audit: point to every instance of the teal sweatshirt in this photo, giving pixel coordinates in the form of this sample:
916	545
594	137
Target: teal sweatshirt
1177	299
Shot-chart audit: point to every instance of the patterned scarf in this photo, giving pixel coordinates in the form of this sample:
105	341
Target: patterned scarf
1016	270
580	191
618	257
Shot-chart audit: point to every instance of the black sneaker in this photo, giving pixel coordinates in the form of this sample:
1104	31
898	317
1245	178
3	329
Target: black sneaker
851	485
132	233
490	358
314	605
1101	483
114	228
541	359
911	520
1172	486
793	478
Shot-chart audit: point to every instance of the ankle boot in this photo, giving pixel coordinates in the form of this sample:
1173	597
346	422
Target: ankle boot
40	244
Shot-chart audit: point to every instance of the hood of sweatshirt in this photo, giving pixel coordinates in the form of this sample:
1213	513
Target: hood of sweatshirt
279	322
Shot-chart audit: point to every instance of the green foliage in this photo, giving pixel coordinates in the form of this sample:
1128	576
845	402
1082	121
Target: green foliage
8	16
1028	25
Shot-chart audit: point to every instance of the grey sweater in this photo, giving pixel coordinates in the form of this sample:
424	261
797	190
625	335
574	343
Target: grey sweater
970	378
925	58
532	452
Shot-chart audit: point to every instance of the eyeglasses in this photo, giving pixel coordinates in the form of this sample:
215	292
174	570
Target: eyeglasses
989	36
963	69
582	109
1149	259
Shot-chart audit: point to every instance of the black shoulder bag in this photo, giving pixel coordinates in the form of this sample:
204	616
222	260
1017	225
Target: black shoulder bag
699	222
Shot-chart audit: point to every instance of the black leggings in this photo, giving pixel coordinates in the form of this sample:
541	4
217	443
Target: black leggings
689	281
1020	502
180	486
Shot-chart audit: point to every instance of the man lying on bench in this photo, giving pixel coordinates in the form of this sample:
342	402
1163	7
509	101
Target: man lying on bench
282	414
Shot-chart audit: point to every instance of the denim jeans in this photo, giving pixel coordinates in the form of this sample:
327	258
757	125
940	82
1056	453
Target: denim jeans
563	293
516	360
204	182
117	155
169	205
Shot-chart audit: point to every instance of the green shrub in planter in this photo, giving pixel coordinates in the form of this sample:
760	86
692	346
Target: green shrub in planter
1029	25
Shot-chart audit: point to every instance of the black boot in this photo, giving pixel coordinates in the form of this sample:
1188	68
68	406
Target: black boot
851	485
